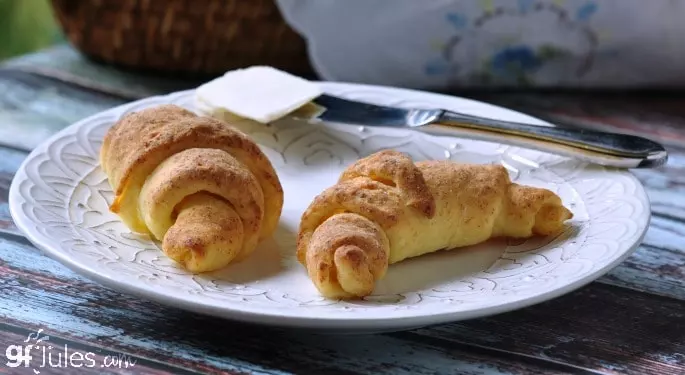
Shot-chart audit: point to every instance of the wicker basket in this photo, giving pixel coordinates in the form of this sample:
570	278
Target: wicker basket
187	37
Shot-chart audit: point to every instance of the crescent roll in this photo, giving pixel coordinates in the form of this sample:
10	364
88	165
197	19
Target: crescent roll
195	183
386	208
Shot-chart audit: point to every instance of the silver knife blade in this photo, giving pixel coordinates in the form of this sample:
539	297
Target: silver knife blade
354	112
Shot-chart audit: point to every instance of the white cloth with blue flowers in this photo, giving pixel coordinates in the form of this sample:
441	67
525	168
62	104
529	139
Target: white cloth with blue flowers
442	44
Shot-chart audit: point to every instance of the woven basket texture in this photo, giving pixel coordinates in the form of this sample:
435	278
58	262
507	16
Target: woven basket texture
189	37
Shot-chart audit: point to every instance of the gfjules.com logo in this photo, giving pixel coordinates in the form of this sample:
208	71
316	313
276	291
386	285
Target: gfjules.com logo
38	353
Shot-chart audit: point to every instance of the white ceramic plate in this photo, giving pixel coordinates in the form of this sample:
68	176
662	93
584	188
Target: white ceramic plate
59	199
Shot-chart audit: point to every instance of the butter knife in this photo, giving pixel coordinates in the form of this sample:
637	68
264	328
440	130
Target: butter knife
607	149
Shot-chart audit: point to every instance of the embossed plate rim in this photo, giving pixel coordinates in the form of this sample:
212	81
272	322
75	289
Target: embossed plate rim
352	321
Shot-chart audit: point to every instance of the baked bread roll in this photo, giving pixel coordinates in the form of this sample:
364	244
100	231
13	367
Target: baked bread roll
195	183
385	208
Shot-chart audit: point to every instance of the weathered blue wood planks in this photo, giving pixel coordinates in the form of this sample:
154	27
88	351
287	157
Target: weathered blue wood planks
632	321
594	328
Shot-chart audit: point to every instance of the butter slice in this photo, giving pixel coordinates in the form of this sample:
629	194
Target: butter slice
259	93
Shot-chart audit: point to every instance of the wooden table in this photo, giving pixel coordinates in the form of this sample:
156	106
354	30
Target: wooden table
631	321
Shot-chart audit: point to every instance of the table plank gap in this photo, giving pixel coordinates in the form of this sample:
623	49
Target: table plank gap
599	327
553	365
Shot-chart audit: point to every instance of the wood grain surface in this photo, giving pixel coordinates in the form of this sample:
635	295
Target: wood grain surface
630	321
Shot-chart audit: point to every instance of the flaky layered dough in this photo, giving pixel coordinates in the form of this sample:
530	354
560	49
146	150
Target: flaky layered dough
385	208
195	183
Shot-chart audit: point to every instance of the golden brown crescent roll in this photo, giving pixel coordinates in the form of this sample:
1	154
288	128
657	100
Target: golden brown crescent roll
195	183
386	208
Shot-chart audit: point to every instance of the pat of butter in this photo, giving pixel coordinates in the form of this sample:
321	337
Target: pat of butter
259	93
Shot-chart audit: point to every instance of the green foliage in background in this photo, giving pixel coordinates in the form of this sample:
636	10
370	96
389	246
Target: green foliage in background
26	26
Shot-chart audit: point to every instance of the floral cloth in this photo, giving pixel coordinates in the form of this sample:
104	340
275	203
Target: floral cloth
439	44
